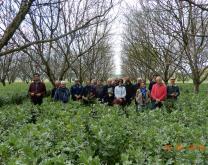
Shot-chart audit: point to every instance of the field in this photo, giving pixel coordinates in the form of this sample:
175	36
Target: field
100	134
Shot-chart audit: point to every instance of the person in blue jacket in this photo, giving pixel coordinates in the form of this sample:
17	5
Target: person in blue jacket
62	93
76	91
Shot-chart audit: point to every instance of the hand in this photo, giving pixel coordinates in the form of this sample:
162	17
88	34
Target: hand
38	94
32	94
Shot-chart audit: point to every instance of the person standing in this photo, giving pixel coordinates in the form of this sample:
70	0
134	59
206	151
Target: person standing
120	93
173	92
129	91
37	90
99	91
158	93
88	94
76	91
62	93
108	93
57	84
142	97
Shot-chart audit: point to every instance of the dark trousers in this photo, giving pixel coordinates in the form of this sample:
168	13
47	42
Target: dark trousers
37	100
156	105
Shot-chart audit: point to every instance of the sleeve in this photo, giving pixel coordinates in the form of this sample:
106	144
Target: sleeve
30	88
168	91
164	95
56	95
124	92
116	92
44	89
153	93
71	90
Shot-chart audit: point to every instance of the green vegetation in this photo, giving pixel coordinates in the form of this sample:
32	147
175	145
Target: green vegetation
100	134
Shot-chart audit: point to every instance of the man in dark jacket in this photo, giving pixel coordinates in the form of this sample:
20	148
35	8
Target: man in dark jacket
76	91
129	91
108	92
173	90
88	94
62	93
57	84
172	94
37	90
99	90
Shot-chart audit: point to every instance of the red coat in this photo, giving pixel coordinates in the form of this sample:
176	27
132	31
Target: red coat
159	92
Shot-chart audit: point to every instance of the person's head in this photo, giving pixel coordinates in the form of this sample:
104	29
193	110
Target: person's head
88	82
36	77
99	82
120	82
94	82
139	80
159	80
127	81
154	77
142	84
172	81
57	83
63	84
76	81
109	81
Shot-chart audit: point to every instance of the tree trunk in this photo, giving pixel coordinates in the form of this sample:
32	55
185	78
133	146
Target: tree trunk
196	88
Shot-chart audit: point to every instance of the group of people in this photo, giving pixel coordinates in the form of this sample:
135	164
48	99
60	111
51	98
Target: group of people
115	91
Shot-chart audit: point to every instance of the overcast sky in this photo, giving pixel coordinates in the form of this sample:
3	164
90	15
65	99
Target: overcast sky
117	31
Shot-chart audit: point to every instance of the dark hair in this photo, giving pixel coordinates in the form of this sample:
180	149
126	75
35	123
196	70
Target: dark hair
121	80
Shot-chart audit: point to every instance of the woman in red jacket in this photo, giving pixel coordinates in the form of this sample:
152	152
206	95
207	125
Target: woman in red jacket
158	93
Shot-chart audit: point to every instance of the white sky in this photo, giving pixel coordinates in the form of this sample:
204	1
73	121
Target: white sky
117	31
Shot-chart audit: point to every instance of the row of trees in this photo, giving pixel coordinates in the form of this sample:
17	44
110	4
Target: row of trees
167	38
57	38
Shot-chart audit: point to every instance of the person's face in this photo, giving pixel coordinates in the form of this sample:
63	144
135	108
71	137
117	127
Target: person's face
99	82
154	78
57	84
143	85
87	82
109	82
120	83
36	78
159	80
63	85
172	81
76	82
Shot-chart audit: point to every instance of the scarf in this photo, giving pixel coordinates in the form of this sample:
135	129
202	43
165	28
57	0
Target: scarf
143	91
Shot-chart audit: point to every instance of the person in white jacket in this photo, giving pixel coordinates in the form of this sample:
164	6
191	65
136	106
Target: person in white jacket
120	93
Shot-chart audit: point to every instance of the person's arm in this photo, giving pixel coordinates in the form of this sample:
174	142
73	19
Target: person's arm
124	92
153	96
116	93
169	94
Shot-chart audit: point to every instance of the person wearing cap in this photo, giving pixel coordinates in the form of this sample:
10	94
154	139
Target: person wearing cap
62	93
158	93
76	91
88	94
57	84
37	90
173	92
120	93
